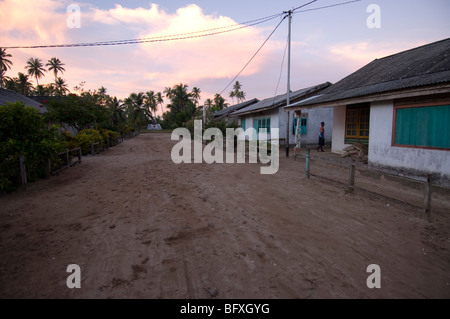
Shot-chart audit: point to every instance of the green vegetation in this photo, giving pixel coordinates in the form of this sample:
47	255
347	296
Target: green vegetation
24	132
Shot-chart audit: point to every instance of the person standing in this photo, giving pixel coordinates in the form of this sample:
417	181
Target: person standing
321	137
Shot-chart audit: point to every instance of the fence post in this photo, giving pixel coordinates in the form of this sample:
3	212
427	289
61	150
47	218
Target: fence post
308	151
351	182
79	154
427	198
49	167
23	173
67	158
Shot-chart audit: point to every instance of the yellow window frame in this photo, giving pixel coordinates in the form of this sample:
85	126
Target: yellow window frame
357	121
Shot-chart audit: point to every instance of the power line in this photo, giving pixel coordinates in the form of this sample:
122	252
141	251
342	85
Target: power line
281	68
286	14
267	39
304	5
182	36
326	7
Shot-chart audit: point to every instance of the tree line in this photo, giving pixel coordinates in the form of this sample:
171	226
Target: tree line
86	108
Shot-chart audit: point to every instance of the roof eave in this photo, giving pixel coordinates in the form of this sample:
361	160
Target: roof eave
390	95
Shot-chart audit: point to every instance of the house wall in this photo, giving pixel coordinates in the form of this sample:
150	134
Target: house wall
278	118
381	151
315	117
282	121
338	137
273	115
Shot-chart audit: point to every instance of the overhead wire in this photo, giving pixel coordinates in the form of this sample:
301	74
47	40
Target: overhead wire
287	13
303	5
257	51
281	68
326	7
181	36
197	34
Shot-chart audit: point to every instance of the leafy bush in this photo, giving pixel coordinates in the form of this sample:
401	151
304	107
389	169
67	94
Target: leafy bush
79	112
86	137
109	136
24	132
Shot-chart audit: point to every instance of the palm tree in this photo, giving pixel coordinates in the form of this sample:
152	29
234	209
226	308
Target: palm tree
150	102
5	64
117	112
232	95
219	102
237	93
180	99
35	68
61	86
56	65
168	92
196	94
208	103
23	85
137	112
102	91
240	96
102	94
10	84
159	99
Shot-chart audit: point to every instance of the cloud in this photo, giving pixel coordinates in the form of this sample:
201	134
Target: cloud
212	59
27	21
361	53
190	60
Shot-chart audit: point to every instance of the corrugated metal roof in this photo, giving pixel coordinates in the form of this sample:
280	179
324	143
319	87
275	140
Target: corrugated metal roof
11	96
280	100
223	113
422	66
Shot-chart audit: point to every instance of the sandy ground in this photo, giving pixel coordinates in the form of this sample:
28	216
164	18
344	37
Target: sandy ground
140	226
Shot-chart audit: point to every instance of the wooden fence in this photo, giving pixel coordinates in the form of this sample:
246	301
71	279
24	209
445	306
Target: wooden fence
350	185
67	157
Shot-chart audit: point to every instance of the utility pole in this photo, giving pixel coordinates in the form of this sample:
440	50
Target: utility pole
288	84
204	113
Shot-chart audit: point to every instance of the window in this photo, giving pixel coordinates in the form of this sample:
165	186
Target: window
303	121
260	124
243	124
357	123
422	126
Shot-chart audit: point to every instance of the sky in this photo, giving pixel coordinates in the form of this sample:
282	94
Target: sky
326	44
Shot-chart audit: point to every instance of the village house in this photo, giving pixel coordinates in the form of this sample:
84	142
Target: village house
399	106
225	113
269	113
8	96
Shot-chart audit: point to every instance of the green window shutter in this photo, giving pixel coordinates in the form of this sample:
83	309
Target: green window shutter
303	122
423	126
243	124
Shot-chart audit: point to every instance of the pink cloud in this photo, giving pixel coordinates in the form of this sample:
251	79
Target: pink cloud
134	68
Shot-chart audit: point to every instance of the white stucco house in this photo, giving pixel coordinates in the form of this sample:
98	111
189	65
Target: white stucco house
269	113
399	106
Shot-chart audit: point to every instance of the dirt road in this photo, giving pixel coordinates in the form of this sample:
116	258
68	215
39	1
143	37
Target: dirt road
140	226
